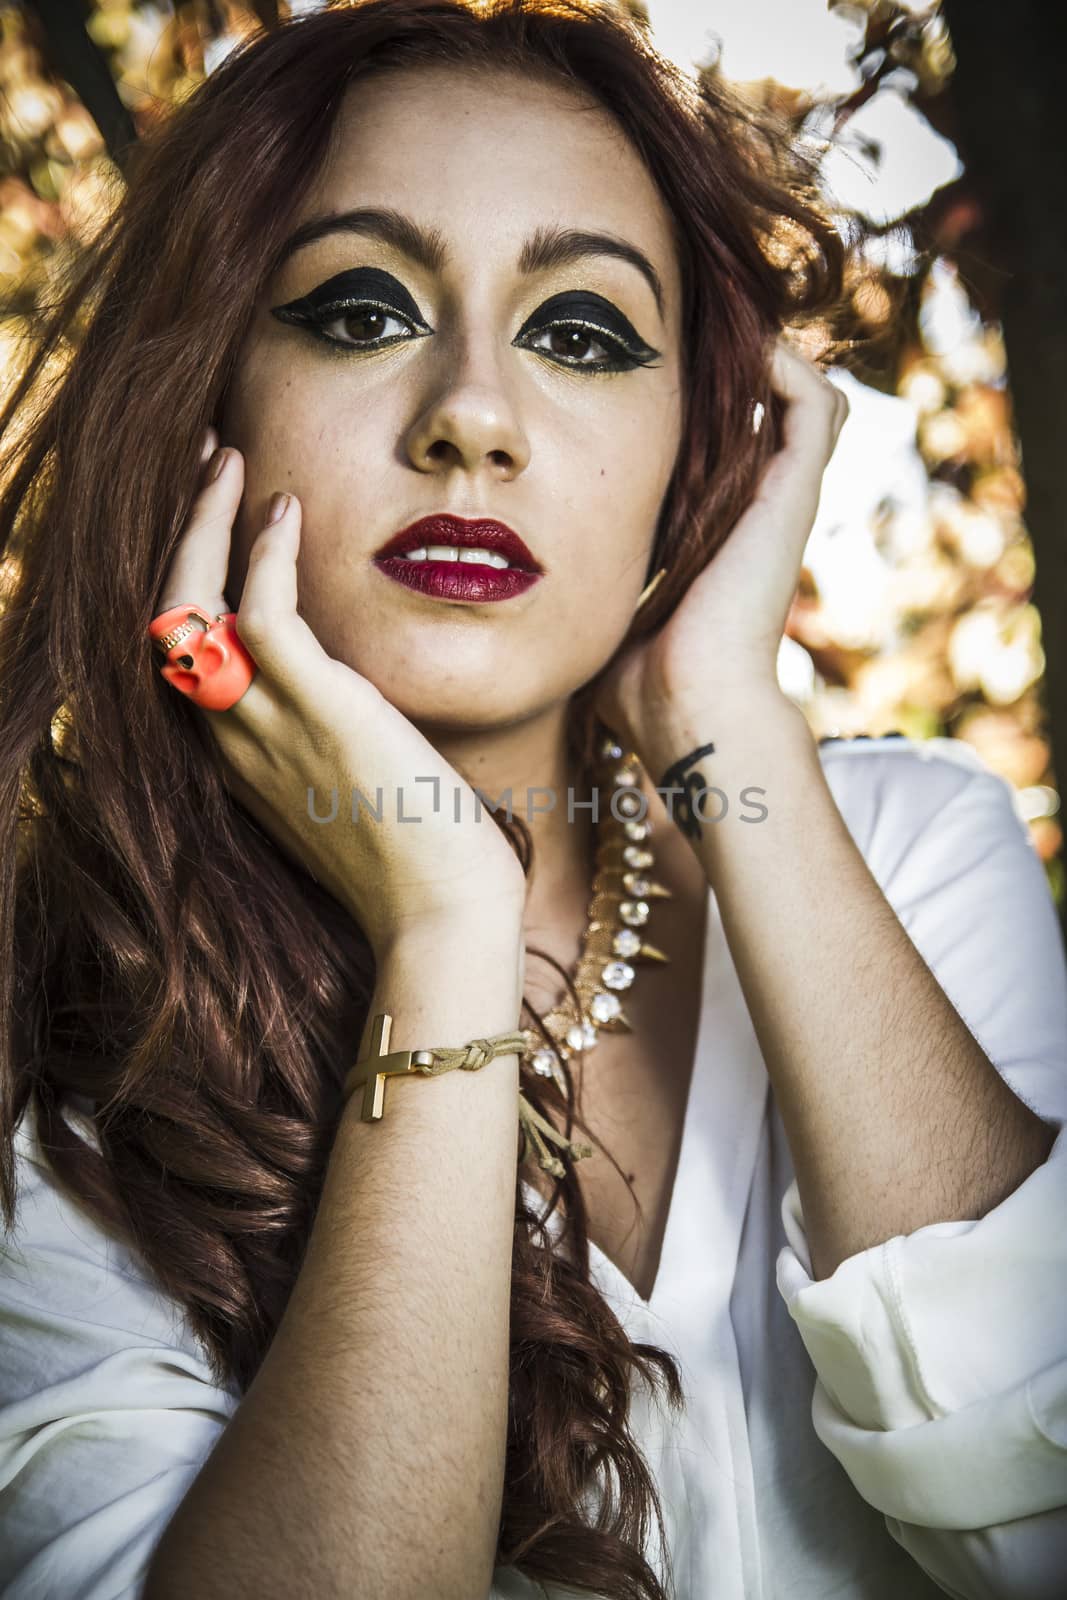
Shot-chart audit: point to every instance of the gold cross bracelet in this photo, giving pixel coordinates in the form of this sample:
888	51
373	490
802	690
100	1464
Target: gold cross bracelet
371	1072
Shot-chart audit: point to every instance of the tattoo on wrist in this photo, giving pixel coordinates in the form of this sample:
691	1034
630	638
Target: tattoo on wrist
689	787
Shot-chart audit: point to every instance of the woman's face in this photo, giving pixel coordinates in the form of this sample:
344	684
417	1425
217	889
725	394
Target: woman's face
454	393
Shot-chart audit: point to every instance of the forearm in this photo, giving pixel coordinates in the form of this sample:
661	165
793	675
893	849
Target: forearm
367	1457
895	1116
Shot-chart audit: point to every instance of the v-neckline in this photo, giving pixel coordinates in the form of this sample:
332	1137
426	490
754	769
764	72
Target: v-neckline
712	956
685	1144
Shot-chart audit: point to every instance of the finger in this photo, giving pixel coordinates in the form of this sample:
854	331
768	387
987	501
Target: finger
198	570
814	415
816	408
268	621
197	573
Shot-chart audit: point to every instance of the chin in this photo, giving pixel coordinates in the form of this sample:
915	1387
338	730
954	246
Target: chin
458	707
431	717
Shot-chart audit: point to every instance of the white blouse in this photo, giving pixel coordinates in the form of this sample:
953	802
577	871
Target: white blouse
895	1431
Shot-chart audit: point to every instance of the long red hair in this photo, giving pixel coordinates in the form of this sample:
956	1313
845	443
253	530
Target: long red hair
163	957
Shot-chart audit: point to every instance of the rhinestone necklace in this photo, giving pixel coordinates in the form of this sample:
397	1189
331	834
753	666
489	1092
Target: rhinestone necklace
618	907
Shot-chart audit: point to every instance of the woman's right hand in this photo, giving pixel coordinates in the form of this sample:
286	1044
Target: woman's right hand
309	722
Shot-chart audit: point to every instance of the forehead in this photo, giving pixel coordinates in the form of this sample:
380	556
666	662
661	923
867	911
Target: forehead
484	156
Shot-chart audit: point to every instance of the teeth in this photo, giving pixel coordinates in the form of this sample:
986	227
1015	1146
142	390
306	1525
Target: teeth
448	552
485	558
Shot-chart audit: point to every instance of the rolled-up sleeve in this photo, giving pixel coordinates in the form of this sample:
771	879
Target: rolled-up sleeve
941	1355
108	1408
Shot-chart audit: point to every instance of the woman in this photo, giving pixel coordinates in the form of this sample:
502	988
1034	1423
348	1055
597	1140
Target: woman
496	281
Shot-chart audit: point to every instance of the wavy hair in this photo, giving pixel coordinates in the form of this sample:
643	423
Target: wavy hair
161	956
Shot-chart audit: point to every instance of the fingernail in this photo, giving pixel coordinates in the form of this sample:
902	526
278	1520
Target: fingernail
279	505
218	461
208	440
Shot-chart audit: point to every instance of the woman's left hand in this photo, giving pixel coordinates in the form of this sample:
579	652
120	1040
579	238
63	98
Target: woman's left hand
719	648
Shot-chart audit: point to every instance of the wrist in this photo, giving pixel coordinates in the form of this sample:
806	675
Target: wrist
727	721
442	987
454	940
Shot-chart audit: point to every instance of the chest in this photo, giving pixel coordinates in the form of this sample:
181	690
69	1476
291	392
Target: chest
633	1091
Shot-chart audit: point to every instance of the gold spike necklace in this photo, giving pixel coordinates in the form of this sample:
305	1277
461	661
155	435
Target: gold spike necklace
619	906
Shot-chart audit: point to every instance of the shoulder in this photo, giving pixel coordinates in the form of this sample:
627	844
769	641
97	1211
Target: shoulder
894	790
939	762
943	834
947	841
108	1405
67	1281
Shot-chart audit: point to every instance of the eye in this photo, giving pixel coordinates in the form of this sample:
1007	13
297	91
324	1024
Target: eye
574	322
366	316
573	339
364	298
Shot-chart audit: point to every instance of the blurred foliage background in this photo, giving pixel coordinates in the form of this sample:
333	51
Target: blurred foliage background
931	592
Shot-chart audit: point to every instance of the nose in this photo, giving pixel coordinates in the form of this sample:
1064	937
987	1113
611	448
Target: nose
470	419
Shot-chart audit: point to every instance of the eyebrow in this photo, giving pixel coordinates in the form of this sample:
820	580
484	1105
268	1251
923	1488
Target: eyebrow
547	247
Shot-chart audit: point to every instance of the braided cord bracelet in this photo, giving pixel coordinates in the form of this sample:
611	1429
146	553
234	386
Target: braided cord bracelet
381	1063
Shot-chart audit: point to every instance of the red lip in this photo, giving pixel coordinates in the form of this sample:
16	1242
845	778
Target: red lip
455	579
463	532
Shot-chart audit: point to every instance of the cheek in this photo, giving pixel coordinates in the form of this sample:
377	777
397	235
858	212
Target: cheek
334	460
614	512
626	451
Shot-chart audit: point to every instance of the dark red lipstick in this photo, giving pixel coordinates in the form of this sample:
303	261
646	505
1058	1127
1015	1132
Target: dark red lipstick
452	577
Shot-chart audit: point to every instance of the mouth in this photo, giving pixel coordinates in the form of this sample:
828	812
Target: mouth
455	558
